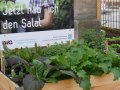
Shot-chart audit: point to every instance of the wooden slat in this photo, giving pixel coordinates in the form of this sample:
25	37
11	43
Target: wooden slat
2	64
62	85
104	80
111	86
7	84
0	53
98	10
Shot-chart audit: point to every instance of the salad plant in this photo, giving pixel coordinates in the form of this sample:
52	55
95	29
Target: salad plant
93	40
24	53
79	61
113	39
42	72
114	43
57	49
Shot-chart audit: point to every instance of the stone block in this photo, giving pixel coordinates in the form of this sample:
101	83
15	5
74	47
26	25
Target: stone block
84	7
89	24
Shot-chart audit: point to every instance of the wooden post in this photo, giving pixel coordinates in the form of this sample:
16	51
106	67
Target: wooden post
71	44
106	47
48	45
2	63
98	10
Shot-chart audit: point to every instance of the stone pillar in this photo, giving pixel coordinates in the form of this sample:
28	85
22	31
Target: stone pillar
85	16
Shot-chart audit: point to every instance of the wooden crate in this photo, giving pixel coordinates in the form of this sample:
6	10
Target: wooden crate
7	84
105	82
68	84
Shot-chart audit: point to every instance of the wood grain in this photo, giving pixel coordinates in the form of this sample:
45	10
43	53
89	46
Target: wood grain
105	82
69	84
7	84
98	10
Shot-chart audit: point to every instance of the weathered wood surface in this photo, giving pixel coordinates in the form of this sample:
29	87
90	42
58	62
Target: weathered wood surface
7	84
105	82
69	84
98	11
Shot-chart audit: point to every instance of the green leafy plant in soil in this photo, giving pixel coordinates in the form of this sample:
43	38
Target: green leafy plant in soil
115	47
20	74
93	40
24	53
113	39
114	43
57	49
42	72
23	58
81	62
17	59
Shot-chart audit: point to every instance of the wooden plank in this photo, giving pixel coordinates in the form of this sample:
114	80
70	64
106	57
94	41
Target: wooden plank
103	80
2	61
98	10
106	46
2	64
69	84
0	53
111	86
7	84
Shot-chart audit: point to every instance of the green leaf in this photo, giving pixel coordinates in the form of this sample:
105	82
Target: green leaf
97	73
62	60
85	63
52	80
48	61
106	58
81	73
56	74
85	84
46	72
70	73
21	74
80	54
74	68
116	73
105	66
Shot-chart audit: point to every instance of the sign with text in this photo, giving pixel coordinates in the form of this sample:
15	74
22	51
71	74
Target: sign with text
24	23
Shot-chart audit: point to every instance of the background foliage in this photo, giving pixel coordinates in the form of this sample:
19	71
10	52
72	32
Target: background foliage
64	19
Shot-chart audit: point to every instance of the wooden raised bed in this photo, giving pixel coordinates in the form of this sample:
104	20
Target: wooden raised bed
105	82
7	84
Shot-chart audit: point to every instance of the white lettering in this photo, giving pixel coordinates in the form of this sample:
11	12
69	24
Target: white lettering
10	25
31	23
23	22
